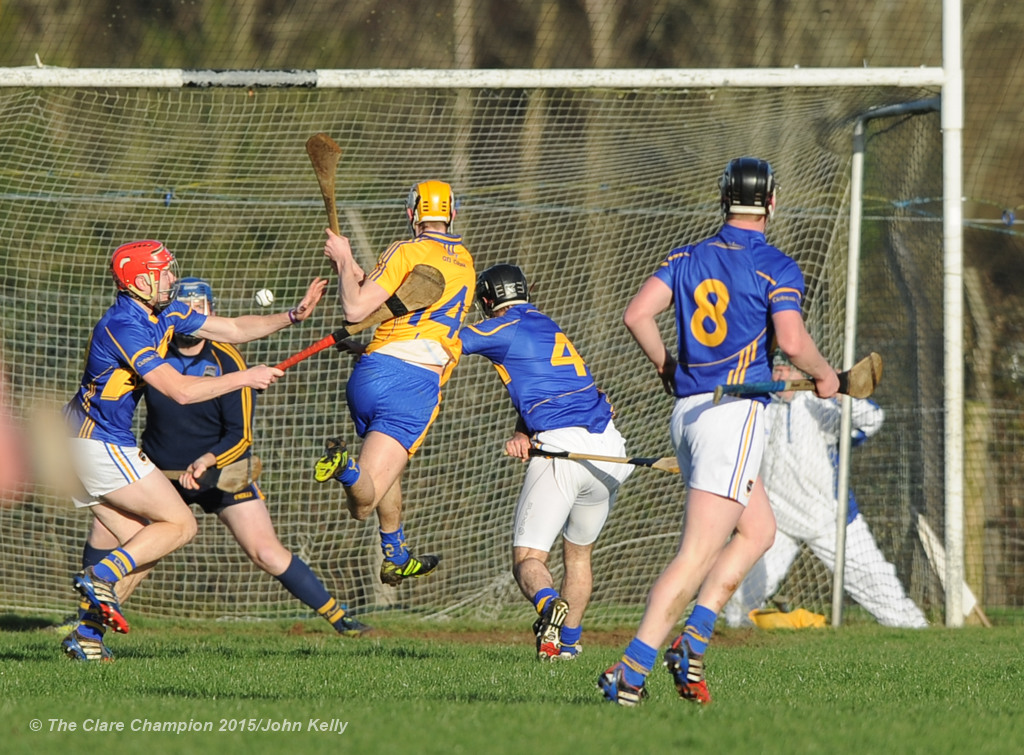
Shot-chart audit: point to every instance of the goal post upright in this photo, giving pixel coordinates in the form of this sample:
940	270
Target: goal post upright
953	298
933	104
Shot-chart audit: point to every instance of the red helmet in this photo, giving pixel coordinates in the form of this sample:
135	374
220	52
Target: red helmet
148	258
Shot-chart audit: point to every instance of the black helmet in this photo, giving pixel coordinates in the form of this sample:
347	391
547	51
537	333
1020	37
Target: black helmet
748	187
501	286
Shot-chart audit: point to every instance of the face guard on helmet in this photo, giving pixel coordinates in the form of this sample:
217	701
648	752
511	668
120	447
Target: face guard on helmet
501	286
197	294
430	200
149	259
748	187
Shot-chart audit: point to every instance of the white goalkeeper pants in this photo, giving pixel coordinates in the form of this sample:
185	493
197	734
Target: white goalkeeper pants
869	578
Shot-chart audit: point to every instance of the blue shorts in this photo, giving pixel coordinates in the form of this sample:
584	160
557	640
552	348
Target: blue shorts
389	396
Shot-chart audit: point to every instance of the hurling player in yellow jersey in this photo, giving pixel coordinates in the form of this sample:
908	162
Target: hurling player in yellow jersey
394	392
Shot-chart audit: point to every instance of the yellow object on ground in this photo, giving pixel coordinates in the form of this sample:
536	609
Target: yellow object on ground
801	618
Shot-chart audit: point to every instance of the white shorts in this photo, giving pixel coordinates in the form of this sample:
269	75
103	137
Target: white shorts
719	448
102	468
569	496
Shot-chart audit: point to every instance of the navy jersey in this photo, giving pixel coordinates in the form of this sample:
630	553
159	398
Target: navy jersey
126	344
549	383
725	290
176	435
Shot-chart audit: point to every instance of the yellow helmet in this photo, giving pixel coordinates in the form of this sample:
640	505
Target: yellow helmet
430	200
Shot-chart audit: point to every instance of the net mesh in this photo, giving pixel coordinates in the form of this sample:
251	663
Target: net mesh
586	190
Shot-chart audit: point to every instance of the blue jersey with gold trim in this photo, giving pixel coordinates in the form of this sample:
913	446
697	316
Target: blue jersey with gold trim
126	344
725	290
549	383
176	435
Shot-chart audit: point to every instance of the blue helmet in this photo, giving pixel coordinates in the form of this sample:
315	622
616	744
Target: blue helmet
198	294
192	290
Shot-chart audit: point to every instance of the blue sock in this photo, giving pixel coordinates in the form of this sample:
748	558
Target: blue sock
638	660
542	597
393	546
571	635
90	626
92	556
350	474
115	566
699	628
300	581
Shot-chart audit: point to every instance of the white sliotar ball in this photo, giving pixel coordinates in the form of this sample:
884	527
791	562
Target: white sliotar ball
264	297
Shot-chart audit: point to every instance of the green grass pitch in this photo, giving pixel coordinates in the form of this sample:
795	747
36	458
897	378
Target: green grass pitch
412	688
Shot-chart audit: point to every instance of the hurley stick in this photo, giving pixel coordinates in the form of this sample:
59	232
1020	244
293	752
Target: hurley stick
935	551
423	286
231	479
324	153
859	381
664	464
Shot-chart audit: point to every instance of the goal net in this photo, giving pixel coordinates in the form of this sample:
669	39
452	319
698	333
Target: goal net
586	189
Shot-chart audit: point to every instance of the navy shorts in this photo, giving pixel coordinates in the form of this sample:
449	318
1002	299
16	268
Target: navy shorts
214	500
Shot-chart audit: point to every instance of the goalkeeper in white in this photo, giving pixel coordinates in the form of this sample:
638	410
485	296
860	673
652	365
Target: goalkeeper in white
799	473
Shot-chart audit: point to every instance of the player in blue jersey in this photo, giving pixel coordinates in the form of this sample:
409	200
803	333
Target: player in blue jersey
394	392
197	437
561	409
733	295
127	352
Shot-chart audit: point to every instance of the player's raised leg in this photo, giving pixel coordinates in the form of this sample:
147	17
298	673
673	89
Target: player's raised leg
373	483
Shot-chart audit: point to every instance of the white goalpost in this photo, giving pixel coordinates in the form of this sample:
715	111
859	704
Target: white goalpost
585	178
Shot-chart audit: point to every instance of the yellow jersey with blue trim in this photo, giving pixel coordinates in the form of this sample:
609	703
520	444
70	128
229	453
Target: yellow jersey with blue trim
428	336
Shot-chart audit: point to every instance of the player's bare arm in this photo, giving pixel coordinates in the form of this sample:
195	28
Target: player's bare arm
653	298
358	297
252	327
190	389
796	343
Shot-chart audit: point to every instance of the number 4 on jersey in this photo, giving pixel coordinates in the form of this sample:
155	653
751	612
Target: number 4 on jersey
564	353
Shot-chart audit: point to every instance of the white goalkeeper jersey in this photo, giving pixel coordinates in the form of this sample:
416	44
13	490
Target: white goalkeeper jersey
799	469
